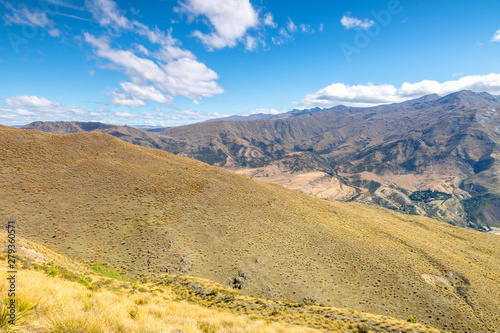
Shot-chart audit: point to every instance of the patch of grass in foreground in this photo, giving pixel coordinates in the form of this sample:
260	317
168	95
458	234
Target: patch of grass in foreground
109	272
41	299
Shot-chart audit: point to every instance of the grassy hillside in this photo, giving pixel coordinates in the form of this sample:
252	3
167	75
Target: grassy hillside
384	155
147	212
51	297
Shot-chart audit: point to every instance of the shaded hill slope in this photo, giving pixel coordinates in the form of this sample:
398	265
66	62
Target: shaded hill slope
145	211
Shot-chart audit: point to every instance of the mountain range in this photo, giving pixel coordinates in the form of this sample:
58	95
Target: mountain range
435	156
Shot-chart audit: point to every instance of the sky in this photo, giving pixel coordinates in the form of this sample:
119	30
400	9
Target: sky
165	63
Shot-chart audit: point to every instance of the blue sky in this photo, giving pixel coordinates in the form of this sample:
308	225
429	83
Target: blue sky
174	62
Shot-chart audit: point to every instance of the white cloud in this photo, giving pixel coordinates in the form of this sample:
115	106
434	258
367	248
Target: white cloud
55	32
190	115
229	18
173	70
306	28
182	77
251	43
121	99
169	53
23	16
32	102
143	50
190	78
145	93
269	20
370	94
20	110
283	37
266	111
91	72
291	26
99	112
496	37
124	115
350	22
65	4
106	12
321	27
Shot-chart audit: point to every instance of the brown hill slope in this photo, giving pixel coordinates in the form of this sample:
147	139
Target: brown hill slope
388	155
126	133
145	211
101	301
378	155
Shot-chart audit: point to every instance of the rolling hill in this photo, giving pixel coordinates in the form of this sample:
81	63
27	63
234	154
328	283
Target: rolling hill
433	156
55	293
147	212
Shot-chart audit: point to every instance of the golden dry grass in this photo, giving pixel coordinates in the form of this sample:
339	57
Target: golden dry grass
48	302
145	212
63	306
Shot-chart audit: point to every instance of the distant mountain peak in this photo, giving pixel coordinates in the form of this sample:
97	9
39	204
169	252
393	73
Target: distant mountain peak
470	97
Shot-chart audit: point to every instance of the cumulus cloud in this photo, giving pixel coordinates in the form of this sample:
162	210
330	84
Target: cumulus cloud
266	111
496	37
32	102
146	93
121	99
168	69
20	110
370	94
269	20
230	20
170	52
124	115
350	22
181	77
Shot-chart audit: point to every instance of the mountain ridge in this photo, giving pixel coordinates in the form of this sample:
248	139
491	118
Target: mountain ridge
378	155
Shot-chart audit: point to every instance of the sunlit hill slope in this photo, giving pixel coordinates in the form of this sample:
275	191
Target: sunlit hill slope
145	211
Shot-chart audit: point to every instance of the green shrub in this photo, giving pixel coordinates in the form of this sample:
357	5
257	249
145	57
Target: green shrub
53	271
84	281
141	301
94	287
207	328
411	319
